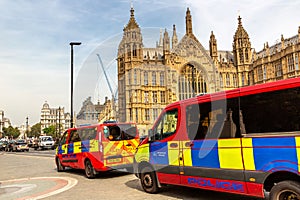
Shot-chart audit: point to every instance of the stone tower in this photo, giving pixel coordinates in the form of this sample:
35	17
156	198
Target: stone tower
242	54
130	54
213	50
151	78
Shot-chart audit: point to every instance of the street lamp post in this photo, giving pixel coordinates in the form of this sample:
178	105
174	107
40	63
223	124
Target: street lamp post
59	121
26	131
72	44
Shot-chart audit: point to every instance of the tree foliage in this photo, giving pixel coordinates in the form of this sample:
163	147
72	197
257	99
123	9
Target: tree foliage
35	130
50	130
11	132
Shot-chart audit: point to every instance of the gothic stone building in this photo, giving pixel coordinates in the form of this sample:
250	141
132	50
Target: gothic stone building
151	78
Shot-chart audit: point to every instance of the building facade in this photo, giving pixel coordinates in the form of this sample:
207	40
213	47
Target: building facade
4	123
95	113
151	78
54	117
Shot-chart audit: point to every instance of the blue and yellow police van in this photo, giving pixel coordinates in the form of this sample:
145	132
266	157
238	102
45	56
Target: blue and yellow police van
244	141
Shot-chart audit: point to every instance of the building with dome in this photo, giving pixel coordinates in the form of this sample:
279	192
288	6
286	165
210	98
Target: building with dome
151	78
54	117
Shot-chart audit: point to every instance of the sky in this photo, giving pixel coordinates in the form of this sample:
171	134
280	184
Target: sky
35	37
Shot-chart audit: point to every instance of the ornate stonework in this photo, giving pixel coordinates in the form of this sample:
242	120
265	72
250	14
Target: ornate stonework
151	78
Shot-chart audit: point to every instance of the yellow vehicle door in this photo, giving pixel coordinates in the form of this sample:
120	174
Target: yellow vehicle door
131	140
112	146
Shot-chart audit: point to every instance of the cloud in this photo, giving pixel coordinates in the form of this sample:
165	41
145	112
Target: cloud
35	37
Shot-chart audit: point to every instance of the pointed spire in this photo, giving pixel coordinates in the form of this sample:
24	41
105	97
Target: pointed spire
166	42
213	46
240	21
188	21
212	36
160	43
174	37
131	12
282	42
132	23
240	32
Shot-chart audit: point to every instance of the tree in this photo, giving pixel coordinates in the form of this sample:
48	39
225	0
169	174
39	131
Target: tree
35	130
11	132
50	130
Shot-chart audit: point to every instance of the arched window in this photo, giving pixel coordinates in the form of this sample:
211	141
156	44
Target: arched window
234	80
221	80
162	79
128	51
153	78
246	55
129	77
145	78
241	55
191	82
265	73
134	77
134	53
227	80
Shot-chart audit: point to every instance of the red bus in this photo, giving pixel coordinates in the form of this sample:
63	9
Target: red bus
97	148
244	141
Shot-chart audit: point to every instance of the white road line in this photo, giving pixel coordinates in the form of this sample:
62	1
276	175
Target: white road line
71	183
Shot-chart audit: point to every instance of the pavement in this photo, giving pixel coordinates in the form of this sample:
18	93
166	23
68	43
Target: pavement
34	188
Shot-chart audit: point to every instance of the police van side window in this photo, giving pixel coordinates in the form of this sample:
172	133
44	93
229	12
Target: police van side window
112	133
166	126
63	138
87	133
74	136
128	131
217	119
271	112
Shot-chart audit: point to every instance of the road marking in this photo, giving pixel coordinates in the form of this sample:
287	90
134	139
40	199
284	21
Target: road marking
61	184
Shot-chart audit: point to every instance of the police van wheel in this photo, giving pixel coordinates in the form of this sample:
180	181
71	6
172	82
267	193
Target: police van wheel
285	190
148	180
59	166
89	170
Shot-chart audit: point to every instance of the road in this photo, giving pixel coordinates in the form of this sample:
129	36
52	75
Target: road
35	173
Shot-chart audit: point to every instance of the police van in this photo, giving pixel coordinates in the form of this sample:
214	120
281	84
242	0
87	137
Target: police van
97	148
244	141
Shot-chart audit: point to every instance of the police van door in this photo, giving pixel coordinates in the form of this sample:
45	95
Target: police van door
164	151
62	149
130	139
74	148
112	146
213	156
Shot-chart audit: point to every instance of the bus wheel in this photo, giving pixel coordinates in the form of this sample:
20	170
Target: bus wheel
285	190
89	170
59	166
148	180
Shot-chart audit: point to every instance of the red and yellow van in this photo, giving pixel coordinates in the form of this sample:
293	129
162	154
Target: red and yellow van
96	148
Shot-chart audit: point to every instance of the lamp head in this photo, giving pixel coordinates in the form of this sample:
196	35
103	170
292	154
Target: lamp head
75	43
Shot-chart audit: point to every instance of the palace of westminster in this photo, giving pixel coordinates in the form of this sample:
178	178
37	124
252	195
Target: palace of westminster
151	78
176	69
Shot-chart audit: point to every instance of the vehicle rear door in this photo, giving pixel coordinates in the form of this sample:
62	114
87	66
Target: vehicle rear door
112	146
130	138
